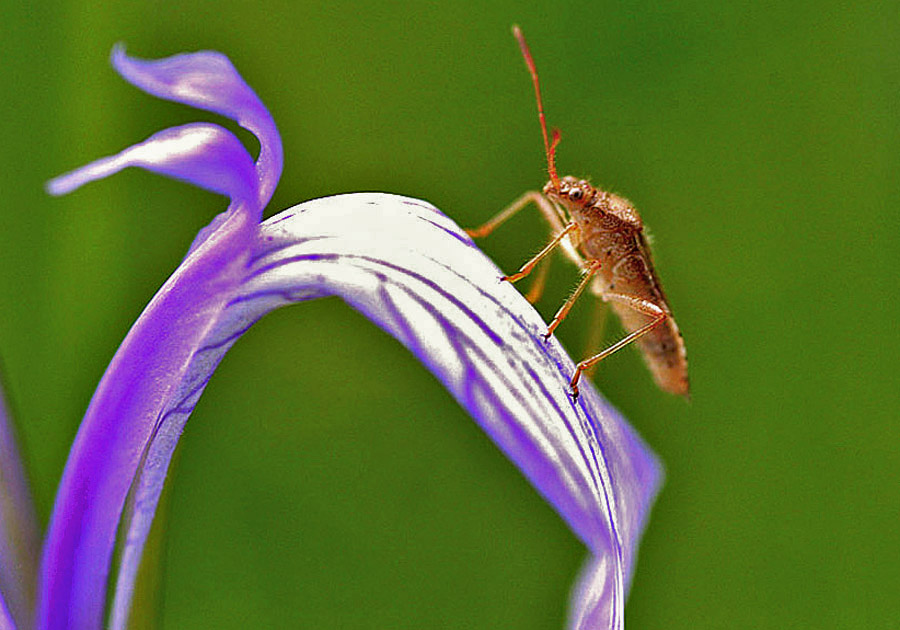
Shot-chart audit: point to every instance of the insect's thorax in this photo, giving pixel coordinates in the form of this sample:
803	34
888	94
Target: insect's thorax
609	228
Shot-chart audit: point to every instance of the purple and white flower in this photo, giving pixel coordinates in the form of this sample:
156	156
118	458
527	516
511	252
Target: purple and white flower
402	263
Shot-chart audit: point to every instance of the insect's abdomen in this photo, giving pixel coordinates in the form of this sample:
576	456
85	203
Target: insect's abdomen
664	353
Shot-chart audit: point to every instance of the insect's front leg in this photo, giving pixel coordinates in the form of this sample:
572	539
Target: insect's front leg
558	224
548	249
532	196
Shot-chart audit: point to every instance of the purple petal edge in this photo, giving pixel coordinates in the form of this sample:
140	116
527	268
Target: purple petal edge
112	438
413	272
6	620
19	533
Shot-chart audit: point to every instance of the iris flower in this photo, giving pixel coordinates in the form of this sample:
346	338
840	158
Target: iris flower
402	263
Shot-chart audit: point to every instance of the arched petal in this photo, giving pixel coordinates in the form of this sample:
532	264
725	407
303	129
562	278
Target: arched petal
413	272
207	80
19	534
400	262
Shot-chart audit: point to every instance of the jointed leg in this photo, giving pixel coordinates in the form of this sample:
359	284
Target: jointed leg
638	304
536	290
595	336
532	196
554	217
530	265
592	268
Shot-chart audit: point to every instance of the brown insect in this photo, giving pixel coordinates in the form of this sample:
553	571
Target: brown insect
604	235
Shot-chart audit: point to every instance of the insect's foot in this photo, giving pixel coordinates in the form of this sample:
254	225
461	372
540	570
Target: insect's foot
573	385
547	335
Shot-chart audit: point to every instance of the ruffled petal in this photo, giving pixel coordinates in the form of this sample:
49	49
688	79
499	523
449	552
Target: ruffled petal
152	360
207	80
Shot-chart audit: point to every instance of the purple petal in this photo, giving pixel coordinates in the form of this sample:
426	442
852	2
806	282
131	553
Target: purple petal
589	608
151	364
202	154
19	534
131	397
417	275
207	80
399	261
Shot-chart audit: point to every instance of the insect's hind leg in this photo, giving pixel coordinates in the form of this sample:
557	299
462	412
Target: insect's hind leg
596	330
638	304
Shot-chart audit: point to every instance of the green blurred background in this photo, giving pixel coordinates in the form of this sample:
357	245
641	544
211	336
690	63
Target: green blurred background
326	480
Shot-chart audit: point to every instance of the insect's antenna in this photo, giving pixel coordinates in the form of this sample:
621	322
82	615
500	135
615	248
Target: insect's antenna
548	147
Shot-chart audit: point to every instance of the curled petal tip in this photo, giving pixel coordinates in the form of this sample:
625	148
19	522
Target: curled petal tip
67	182
117	53
207	80
59	186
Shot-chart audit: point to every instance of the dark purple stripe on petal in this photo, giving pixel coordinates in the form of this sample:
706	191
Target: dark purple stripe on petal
440	297
271	247
419	277
287	296
420	205
460	236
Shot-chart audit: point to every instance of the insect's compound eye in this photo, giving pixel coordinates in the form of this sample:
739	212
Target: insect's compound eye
575	194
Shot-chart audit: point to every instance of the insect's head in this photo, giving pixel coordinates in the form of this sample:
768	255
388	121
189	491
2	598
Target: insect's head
570	191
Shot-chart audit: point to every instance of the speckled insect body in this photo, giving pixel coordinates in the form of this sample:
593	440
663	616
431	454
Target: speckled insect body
603	233
610	232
